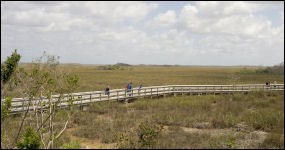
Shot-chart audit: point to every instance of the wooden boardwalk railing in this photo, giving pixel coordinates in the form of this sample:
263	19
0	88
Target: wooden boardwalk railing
84	98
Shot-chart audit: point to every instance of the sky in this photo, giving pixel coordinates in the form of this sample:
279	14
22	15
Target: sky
164	32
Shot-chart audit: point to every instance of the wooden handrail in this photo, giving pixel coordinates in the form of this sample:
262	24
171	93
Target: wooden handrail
18	104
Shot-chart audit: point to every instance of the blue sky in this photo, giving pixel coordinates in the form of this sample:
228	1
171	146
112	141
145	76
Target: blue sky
170	32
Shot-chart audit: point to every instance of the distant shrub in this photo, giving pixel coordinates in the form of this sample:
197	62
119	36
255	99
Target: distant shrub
110	67
271	70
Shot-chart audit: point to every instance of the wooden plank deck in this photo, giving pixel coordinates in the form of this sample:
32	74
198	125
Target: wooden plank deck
84	98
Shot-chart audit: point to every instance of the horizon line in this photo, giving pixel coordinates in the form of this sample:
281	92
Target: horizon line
158	64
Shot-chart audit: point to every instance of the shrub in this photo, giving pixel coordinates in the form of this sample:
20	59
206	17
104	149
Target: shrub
30	140
9	66
5	107
146	137
148	134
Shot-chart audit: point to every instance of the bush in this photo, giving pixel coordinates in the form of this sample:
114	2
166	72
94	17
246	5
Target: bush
9	66
146	137
148	134
30	140
5	107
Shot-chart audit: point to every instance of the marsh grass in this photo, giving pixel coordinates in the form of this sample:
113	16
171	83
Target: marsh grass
92	78
241	113
202	112
109	121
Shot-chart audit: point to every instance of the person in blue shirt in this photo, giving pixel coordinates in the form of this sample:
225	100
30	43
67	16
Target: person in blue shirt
130	88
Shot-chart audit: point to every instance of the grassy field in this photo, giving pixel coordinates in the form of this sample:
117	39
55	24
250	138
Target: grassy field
92	78
255	120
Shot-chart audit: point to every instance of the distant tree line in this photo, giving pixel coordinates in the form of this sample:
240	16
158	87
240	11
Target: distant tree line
117	66
110	67
277	69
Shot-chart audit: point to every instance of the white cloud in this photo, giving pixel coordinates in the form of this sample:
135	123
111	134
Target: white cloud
167	19
119	11
61	16
225	17
201	33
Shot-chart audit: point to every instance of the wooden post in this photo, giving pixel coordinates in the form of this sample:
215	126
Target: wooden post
80	96
125	95
117	95
23	103
189	90
174	91
100	97
157	91
90	97
164	92
150	92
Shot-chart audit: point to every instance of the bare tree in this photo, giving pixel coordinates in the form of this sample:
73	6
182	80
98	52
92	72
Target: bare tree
38	86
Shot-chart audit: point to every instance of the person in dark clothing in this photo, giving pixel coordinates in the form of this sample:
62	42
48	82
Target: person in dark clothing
107	90
140	88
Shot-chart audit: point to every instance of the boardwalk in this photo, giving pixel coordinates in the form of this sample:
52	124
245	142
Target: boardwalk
84	98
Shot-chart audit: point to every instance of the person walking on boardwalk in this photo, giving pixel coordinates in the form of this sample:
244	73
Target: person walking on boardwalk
130	88
140	88
274	83
107	90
